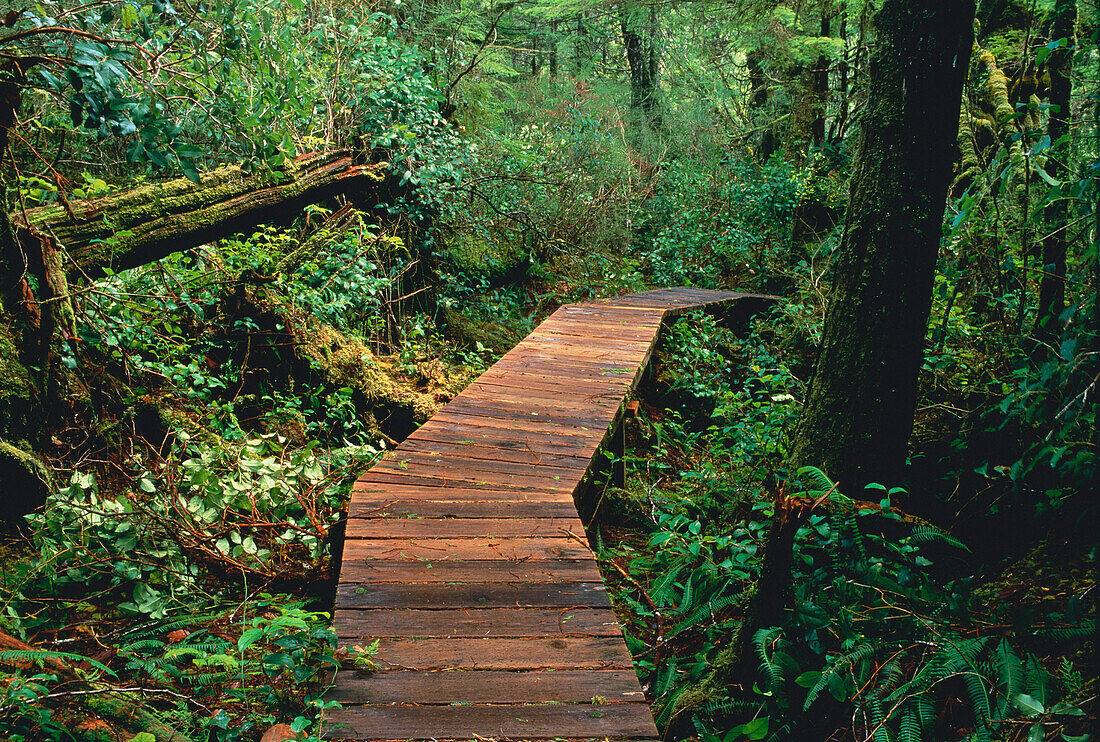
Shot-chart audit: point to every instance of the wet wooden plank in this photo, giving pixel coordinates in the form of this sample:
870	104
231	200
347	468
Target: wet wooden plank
538	653
407	459
357	626
487	686
466	549
383	528
483	449
473	595
619	721
449	571
393	509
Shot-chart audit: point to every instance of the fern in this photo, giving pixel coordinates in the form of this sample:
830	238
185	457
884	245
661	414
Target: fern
1065	634
910	729
836	667
927	534
706	610
729	707
784	733
22	656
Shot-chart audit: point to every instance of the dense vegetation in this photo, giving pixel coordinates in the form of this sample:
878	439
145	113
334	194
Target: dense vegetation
866	515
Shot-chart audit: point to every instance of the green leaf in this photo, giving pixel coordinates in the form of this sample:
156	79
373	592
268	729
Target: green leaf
757	728
807	679
249	637
1027	704
1049	180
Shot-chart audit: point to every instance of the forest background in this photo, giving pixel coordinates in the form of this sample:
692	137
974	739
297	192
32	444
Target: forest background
245	245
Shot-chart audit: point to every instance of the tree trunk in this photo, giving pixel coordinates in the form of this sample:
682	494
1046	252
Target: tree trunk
641	55
553	49
134	227
1052	284
861	400
764	141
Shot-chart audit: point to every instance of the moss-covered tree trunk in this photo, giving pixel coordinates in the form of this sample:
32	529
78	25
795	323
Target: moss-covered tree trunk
861	400
138	226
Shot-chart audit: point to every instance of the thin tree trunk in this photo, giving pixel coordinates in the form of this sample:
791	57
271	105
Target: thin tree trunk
638	40
860	405
1052	284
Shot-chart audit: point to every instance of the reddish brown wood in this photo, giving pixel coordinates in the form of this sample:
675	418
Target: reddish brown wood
357	626
383	528
464	556
517	550
487	686
618	721
473	595
447	571
536	653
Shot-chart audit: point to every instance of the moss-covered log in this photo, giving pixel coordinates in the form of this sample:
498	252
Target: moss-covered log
138	226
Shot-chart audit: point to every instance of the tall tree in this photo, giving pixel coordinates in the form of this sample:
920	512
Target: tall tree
639	29
861	400
1052	285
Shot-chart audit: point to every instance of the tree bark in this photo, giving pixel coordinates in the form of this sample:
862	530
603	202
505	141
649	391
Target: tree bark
1052	284
764	140
641	55
861	400
138	226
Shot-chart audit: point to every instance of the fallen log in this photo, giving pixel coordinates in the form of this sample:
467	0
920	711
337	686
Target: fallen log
140	225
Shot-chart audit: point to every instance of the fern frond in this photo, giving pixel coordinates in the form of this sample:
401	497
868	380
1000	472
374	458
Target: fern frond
836	666
784	733
814	479
928	534
1065	634
23	656
729	707
910	729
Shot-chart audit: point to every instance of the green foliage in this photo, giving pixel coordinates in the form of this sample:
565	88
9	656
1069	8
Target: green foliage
725	222
258	506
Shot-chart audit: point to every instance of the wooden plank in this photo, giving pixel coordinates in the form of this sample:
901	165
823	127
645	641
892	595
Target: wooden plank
524	432
514	482
383	528
406	459
472	595
516	550
537	653
443	508
618	721
486	686
486	450
405	490
471	412
429	571
359	626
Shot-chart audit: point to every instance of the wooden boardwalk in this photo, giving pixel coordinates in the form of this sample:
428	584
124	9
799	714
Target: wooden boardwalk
466	558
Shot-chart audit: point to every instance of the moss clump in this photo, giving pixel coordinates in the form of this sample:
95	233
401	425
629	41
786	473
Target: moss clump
25	482
468	331
397	400
15	389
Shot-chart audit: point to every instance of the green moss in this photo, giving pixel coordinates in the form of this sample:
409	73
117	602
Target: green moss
25	482
15	388
468	331
387	390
